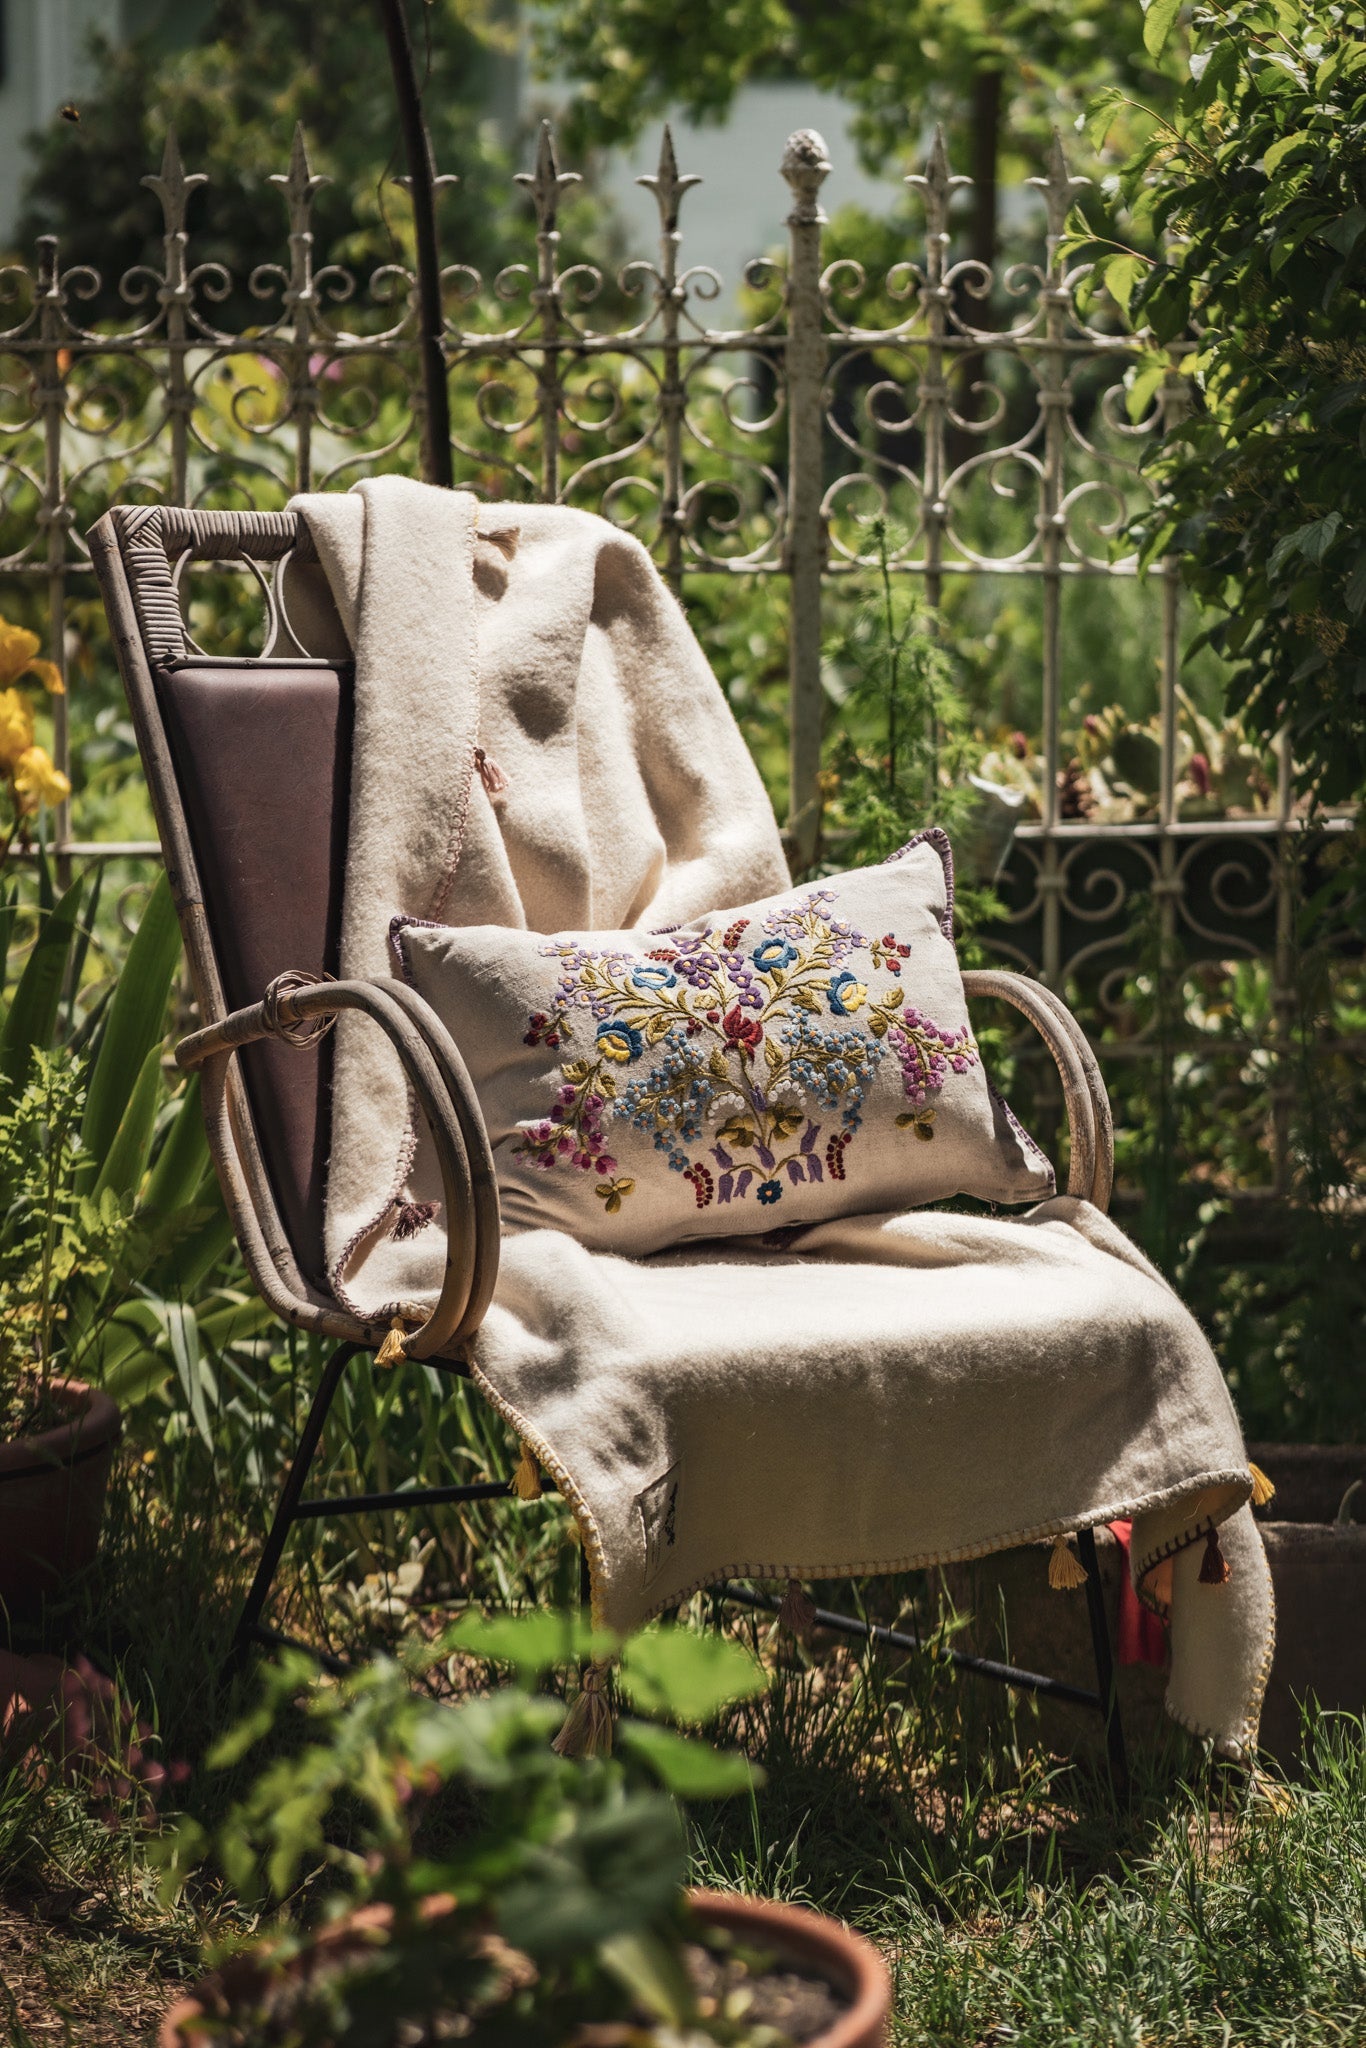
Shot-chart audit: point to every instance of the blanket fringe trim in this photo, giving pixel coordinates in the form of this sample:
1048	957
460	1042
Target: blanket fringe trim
540	1448
536	1446
1236	1746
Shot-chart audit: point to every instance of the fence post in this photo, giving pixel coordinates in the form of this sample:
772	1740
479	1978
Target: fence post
936	185
669	186
805	165
545	185
298	185
173	185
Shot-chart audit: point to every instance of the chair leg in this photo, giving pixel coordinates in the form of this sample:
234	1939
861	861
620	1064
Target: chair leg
1106	1689
291	1493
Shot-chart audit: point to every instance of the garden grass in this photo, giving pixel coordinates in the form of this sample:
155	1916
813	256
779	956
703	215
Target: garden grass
1016	1900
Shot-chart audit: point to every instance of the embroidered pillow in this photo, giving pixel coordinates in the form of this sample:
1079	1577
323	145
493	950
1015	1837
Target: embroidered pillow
803	1057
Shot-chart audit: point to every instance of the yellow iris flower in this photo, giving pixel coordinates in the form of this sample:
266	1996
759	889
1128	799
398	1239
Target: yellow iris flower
29	769
19	657
38	781
16	728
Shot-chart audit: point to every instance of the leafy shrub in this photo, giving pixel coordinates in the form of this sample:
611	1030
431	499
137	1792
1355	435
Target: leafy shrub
1256	188
555	1902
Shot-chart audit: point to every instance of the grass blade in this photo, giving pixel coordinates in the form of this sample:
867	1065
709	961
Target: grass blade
125	1161
134	1022
32	1017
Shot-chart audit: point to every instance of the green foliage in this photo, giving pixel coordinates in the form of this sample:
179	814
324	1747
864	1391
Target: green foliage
636	59
904	740
1256	187
111	1224
233	93
576	1869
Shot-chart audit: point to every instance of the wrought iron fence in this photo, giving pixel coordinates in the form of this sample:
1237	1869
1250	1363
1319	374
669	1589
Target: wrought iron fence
1002	451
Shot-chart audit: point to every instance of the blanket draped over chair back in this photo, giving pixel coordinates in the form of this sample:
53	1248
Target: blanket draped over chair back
539	742
540	643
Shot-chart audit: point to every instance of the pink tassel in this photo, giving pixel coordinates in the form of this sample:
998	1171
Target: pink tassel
412	1217
490	774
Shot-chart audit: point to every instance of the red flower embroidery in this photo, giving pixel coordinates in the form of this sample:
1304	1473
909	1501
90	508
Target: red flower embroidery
742	1030
703	1184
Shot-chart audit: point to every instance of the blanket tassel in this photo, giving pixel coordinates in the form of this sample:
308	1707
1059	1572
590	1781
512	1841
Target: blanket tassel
526	1480
587	1729
490	774
391	1351
1263	1489
1065	1572
1214	1569
798	1611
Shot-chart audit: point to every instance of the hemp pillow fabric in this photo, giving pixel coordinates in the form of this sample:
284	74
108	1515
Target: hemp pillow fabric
803	1057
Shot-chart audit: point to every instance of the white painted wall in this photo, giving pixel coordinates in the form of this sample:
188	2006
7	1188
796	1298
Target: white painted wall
740	209
47	62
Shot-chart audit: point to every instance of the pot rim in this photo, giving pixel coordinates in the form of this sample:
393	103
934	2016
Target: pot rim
862	1972
857	1967
96	1425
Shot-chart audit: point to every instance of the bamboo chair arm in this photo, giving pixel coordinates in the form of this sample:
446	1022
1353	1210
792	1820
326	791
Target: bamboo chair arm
1092	1165
446	1097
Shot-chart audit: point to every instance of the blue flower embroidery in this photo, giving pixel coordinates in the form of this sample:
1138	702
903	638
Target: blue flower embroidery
654	977
773	953
769	1191
847	993
619	1042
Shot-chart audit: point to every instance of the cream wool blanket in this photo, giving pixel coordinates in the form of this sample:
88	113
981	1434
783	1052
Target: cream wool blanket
882	1392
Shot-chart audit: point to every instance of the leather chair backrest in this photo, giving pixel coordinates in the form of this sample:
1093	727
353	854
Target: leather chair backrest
262	756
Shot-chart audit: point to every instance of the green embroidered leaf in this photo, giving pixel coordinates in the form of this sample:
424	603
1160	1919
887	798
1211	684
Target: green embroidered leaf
773	1054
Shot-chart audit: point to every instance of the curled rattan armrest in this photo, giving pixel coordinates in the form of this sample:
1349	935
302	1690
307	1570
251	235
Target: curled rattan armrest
446	1097
1091	1167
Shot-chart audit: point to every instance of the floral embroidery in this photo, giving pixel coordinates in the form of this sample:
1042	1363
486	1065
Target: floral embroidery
729	1049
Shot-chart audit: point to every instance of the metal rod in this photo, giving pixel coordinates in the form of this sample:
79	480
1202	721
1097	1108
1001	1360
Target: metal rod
409	1497
898	1639
286	1512
275	1639
417	148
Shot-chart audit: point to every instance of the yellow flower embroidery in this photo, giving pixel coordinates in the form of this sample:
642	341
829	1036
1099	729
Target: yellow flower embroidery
613	1193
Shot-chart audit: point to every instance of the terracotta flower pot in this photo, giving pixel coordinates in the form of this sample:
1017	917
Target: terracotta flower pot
814	1944
52	1487
819	1946
247	1977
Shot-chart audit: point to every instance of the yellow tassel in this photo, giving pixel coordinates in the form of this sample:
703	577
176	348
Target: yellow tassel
391	1351
526	1480
587	1729
798	1611
1065	1572
1262	1488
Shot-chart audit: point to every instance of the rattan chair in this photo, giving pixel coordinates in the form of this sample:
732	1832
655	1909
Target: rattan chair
247	761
